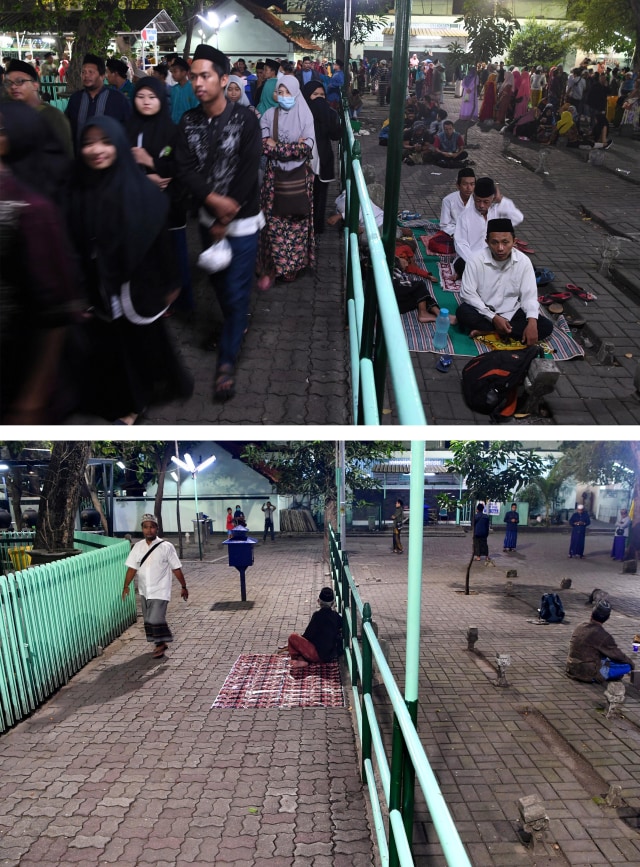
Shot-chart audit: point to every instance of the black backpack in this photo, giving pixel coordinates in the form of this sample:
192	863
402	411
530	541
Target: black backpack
490	381
551	608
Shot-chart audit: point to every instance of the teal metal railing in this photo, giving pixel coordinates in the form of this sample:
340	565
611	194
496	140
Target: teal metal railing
54	618
386	777
377	343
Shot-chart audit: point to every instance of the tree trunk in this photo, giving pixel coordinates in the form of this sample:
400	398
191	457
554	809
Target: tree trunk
14	483
163	463
330	517
468	575
93	493
93	35
61	495
635	8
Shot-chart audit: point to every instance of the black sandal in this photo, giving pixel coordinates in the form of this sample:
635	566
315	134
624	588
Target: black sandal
225	386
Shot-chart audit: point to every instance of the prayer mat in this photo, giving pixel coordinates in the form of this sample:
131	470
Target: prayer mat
262	680
560	345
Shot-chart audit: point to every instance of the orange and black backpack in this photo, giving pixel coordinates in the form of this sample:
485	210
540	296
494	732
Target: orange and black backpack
490	382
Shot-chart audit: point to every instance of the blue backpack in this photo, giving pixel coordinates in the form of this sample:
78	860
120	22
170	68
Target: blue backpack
551	609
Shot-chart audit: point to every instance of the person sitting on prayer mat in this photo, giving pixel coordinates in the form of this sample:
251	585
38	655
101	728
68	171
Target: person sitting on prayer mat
499	291
322	639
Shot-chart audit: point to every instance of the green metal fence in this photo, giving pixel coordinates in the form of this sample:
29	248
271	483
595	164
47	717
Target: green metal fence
392	779
376	336
54	618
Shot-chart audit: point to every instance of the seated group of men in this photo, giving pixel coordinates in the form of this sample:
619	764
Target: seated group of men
499	291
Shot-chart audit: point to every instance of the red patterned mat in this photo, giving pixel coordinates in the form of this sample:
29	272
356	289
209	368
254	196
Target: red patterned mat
261	680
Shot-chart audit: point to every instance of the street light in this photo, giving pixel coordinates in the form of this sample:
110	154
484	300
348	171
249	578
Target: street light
213	21
188	466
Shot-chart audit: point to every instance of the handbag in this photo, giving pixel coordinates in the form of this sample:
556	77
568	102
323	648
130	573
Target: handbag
291	198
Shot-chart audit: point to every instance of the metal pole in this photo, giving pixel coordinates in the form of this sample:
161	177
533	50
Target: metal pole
194	476
396	118
342	490
414	593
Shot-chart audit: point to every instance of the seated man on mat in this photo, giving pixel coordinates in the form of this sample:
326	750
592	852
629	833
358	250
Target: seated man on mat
471	227
499	291
322	639
452	206
593	652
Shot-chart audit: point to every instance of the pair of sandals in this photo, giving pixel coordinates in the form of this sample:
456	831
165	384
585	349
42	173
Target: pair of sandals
552	300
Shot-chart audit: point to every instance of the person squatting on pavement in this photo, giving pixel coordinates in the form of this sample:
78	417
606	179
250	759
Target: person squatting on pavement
154	569
593	653
322	639
218	156
499	290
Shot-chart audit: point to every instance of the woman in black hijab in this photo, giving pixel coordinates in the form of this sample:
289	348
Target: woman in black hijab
327	126
39	296
118	221
152	136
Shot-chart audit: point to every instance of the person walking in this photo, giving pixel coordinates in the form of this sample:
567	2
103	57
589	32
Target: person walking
480	534
398	520
579	521
218	157
154	569
268	508
511	519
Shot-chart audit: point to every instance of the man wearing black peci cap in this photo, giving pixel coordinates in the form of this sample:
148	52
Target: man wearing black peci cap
499	291
471	228
218	156
117	75
95	99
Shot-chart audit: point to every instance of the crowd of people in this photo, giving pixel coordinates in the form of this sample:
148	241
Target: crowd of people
110	184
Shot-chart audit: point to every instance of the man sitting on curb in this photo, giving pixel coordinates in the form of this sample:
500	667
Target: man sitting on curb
593	654
322	639
499	291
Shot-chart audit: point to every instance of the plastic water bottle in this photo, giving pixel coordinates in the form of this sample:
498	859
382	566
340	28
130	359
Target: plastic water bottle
442	330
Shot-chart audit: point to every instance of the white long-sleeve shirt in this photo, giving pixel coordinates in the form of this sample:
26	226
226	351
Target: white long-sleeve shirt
471	227
495	287
452	207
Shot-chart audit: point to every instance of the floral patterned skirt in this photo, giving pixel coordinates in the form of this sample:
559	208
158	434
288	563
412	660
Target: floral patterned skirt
286	243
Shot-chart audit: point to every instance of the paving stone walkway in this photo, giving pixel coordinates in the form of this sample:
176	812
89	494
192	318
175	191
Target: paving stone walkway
128	765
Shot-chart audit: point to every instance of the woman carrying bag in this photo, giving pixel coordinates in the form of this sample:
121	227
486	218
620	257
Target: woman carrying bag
327	129
288	138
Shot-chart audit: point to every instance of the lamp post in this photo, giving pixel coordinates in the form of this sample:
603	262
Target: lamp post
216	24
189	467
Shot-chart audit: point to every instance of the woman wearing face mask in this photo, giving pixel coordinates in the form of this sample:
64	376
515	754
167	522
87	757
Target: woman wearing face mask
118	223
288	136
152	136
327	129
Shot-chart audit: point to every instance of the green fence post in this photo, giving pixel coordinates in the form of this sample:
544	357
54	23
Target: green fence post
396	118
367	680
395	786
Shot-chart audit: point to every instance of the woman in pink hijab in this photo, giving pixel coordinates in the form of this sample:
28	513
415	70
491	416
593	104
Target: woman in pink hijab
523	95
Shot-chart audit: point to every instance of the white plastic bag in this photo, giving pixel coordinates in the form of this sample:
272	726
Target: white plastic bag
217	257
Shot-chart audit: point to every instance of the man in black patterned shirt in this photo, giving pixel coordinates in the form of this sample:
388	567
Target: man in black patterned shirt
218	156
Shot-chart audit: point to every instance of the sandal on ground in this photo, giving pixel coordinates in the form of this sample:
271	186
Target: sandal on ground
555	308
265	282
522	246
225	386
545	300
159	651
580	292
559	296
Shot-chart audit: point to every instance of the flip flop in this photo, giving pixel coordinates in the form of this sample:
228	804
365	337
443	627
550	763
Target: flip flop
523	246
559	296
580	292
545	300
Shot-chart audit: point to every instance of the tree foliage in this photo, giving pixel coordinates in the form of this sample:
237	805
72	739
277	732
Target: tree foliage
324	19
607	24
490	27
545	490
539	43
494	471
600	463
